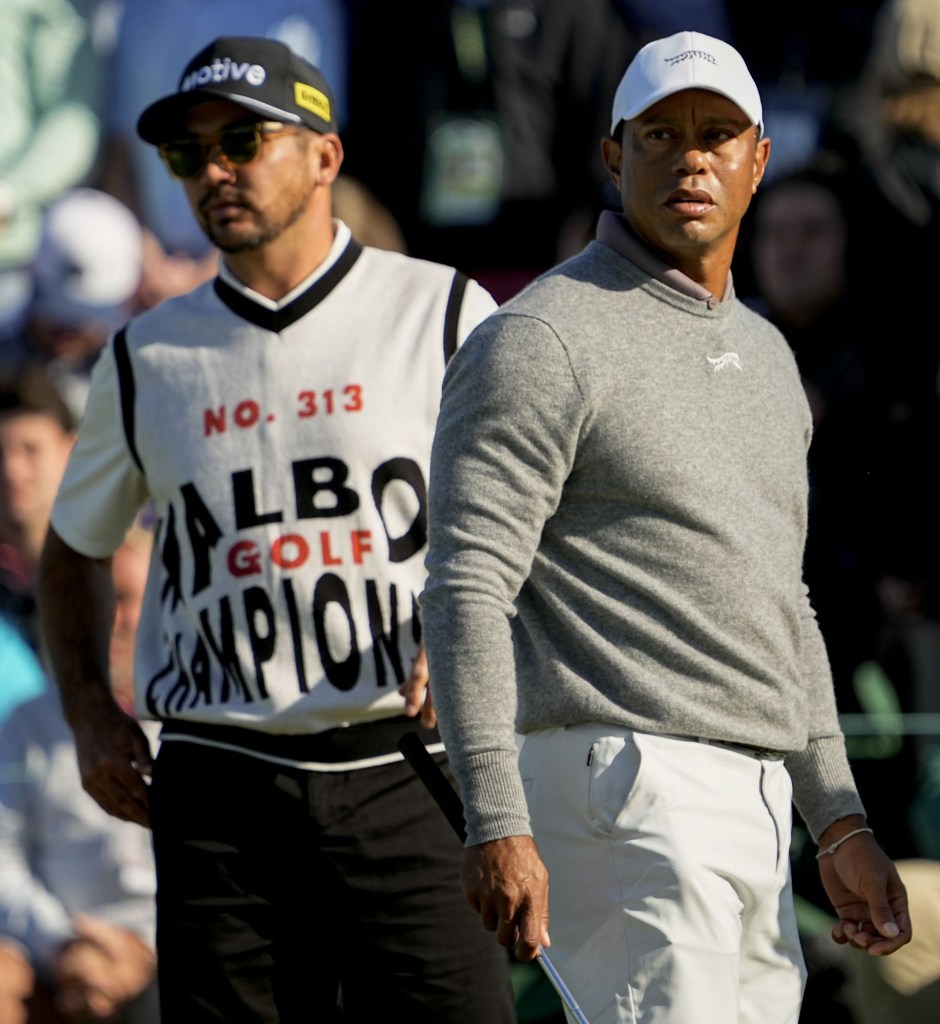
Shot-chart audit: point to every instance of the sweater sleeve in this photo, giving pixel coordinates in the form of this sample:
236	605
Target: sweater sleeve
823	787
505	443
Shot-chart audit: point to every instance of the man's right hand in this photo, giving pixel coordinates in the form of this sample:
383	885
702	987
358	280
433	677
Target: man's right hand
114	759
506	882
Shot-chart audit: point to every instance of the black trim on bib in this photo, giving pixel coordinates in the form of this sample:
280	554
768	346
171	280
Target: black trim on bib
452	316
277	320
128	392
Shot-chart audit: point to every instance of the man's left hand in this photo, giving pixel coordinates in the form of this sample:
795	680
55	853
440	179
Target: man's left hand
867	894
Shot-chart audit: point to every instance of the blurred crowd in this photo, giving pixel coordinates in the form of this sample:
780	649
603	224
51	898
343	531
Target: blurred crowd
465	124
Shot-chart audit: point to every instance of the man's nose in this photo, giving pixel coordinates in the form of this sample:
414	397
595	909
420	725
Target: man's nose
690	157
218	166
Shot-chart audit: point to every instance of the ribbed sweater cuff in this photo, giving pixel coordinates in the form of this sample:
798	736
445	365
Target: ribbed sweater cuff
823	787
494	800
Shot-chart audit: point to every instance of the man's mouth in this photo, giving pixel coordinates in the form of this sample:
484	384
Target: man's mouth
690	202
221	207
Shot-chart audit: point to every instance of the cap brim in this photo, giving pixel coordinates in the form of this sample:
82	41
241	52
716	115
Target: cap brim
164	119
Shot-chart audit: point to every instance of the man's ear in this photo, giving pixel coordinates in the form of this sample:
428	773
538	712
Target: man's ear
612	155
761	156
330	155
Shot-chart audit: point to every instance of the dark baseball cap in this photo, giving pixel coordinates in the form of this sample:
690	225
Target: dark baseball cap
263	75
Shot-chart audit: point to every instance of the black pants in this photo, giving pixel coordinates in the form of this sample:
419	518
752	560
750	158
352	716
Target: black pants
282	893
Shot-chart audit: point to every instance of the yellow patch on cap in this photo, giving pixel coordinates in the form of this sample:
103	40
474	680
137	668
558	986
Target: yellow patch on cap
313	100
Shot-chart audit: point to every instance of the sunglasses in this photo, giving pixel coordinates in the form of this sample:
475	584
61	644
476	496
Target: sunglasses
185	158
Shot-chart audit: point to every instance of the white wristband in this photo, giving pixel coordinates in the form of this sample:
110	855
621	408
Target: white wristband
832	847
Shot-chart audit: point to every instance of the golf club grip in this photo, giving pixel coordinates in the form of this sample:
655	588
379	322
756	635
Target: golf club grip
446	797
435	781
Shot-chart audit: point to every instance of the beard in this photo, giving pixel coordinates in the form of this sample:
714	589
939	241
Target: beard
234	237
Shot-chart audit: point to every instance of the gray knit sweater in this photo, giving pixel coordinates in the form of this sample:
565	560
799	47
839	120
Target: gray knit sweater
617	508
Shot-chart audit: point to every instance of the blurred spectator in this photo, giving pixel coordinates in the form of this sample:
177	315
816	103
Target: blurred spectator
147	54
36	437
76	884
888	127
894	116
86	278
801	262
51	67
798	254
489	158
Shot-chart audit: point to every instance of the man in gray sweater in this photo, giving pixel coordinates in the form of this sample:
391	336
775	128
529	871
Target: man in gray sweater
618	505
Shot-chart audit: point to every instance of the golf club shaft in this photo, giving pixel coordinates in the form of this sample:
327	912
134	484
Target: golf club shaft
437	784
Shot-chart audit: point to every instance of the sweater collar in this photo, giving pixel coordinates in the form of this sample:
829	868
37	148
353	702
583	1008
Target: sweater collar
614	232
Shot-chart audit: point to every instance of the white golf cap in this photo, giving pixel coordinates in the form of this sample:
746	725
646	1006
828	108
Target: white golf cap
89	261
686	60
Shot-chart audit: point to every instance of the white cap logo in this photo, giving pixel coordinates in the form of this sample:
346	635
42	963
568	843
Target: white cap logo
224	70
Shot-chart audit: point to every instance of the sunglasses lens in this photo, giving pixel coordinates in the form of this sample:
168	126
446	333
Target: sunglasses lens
184	159
240	145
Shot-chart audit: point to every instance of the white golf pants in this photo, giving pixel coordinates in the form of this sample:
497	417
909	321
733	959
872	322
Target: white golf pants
669	877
